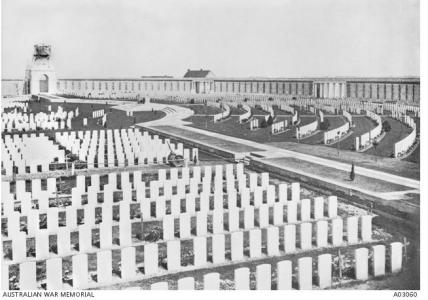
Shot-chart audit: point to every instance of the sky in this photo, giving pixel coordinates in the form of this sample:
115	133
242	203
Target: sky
233	38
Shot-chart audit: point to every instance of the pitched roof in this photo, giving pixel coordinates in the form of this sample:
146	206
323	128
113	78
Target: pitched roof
196	73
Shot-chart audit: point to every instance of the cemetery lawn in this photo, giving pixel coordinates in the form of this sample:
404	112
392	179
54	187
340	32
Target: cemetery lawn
386	145
363	124
398	167
232	127
116	118
204	138
366	183
335	122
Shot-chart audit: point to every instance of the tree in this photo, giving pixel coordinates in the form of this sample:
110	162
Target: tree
352	174
386	126
325	125
270	120
263	123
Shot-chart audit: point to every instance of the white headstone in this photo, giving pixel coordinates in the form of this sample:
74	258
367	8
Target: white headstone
80	270
396	257
305	236
104	266
27	276
304	276
200	251
151	259
173	255
337	232
242	279
263	277
284	275
128	267
324	271
218	248
361	263
290	238
378	260
186	283
54	274
212	281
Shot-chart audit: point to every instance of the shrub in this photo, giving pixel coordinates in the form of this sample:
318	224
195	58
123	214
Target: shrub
325	125
386	126
270	121
263	124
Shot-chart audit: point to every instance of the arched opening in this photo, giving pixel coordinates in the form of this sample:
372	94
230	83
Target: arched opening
44	84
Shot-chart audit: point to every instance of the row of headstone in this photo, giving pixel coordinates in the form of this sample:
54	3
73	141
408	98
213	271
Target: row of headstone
225	113
124	147
98	113
254	124
325	233
365	140
264	277
20	152
336	134
247	115
404	145
306	130
279	127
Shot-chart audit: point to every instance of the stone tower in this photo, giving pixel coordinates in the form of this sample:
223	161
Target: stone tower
40	76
